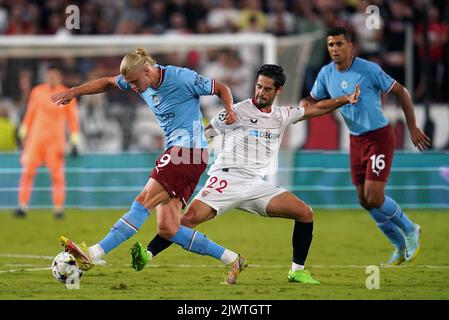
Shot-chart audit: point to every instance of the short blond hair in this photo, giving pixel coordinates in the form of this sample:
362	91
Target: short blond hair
135	59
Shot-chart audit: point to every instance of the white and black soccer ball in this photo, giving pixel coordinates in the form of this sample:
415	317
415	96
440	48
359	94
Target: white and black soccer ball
65	269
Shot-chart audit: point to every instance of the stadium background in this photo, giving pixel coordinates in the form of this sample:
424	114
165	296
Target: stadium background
120	138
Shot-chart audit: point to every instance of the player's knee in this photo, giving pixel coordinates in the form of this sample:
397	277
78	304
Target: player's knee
374	200
167	231
364	204
29	172
307	214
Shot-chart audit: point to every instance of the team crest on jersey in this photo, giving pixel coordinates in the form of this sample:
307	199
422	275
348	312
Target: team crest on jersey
156	99
344	85
205	193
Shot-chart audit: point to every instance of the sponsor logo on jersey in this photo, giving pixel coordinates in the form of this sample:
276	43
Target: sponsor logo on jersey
254	121
165	116
263	134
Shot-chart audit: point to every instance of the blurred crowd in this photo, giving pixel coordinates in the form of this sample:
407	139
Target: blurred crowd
281	18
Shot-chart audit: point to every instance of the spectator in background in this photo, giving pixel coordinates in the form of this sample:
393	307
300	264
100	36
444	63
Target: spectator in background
157	18
223	19
438	36
369	40
8	141
280	21
3	18
252	18
394	39
308	20
43	130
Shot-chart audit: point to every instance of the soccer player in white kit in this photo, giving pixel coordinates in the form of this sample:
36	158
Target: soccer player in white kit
249	147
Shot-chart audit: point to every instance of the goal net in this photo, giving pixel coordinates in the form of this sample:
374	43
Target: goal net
114	122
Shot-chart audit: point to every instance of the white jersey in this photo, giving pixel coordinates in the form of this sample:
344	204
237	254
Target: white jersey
251	143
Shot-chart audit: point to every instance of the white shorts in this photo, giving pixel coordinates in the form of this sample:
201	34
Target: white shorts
234	189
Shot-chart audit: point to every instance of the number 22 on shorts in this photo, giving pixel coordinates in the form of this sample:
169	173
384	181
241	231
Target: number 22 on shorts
221	185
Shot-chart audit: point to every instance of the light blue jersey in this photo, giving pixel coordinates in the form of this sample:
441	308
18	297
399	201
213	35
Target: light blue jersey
367	115
176	104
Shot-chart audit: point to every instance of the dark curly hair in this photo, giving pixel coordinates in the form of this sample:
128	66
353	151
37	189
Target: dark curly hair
274	72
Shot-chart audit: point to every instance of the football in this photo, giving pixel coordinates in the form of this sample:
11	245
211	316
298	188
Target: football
65	269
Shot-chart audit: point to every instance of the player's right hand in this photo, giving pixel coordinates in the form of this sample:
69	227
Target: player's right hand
63	97
231	117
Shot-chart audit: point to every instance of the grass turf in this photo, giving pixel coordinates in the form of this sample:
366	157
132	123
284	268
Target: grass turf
344	243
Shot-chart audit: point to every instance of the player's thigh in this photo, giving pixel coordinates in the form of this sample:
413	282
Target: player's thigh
197	212
54	157
378	154
260	194
152	194
287	205
32	157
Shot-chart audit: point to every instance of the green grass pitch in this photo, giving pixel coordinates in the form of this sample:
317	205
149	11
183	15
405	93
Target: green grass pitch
344	243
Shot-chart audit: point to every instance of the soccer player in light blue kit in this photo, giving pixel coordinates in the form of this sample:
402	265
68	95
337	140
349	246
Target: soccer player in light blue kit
173	94
371	137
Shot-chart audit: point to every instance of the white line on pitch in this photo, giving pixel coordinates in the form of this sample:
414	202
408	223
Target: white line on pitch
20	270
25	256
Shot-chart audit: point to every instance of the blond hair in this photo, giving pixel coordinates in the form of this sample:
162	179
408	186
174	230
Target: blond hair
135	59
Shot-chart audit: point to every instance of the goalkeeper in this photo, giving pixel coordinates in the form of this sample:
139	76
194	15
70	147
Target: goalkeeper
43	133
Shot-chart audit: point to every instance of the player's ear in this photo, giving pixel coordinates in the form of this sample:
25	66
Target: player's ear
279	90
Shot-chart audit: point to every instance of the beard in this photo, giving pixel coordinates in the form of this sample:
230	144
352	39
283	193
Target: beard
263	103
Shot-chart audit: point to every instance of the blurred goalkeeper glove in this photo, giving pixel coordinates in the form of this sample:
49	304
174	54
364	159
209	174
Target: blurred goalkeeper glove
74	140
22	133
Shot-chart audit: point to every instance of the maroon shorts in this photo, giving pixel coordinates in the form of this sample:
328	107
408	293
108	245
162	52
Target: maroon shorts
371	155
179	169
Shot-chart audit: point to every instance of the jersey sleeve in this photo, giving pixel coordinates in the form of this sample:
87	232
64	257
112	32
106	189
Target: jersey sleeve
381	79
121	83
294	114
196	84
319	91
219	124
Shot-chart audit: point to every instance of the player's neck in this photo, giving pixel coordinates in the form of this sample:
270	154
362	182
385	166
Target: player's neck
345	65
261	109
156	77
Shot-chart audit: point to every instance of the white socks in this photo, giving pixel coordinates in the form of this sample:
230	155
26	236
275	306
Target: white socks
296	267
228	256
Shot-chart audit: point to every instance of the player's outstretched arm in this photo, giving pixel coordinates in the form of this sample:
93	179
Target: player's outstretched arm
326	106
225	95
91	87
420	139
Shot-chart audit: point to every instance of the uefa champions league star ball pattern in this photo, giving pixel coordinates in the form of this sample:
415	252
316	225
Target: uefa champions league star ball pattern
65	268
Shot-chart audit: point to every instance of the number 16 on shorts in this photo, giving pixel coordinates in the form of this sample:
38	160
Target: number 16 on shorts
377	163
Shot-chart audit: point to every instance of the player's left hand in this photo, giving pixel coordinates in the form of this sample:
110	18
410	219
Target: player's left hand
231	117
420	139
